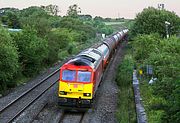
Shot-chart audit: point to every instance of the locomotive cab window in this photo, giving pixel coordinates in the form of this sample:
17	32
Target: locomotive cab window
68	75
84	76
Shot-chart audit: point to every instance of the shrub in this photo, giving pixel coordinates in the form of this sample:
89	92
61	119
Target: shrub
9	60
32	50
163	55
152	20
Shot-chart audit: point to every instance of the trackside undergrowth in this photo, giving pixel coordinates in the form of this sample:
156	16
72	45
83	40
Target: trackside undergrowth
151	103
126	107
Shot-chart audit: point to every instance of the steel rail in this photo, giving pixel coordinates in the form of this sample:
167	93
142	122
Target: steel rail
32	101
24	93
81	120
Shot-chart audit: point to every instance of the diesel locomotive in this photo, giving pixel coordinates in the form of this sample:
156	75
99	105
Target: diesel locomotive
80	77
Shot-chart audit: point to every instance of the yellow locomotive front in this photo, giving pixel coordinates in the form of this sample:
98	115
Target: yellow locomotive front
76	86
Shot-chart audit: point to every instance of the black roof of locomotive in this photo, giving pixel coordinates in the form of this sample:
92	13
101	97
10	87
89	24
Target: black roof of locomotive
82	61
88	57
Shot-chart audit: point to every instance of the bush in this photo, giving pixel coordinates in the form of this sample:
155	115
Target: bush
57	39
125	71
62	54
163	55
9	60
32	49
37	18
144	45
152	20
78	26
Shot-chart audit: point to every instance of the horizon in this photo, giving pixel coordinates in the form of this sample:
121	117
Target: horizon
104	9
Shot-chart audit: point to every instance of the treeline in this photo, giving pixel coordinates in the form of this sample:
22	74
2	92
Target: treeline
150	47
44	39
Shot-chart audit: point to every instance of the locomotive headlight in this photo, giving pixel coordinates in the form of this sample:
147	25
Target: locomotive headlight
62	93
87	94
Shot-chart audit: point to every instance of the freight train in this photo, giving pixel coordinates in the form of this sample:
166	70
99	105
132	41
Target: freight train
80	77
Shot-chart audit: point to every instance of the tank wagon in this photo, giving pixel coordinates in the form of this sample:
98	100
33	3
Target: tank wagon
81	76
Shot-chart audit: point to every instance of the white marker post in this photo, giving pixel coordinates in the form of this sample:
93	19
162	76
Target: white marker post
167	32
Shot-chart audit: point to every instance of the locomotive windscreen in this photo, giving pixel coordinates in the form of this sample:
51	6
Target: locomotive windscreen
84	76
68	75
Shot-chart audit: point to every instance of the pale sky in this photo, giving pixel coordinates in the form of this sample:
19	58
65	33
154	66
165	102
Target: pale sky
103	8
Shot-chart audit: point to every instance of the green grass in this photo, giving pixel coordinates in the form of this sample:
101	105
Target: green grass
118	25
126	107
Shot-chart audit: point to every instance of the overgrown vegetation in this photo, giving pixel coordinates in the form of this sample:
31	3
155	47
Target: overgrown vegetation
151	103
161	98
32	50
126	107
9	56
163	55
152	20
45	38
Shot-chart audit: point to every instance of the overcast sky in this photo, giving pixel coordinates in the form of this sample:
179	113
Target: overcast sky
104	8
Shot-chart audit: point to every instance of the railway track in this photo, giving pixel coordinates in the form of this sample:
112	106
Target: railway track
13	109
69	117
54	114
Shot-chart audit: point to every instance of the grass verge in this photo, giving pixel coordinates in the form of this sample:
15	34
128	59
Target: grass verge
126	107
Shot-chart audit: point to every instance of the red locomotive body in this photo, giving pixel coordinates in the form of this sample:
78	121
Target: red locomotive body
80	78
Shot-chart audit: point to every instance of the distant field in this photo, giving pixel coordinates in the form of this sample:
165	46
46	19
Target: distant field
114	23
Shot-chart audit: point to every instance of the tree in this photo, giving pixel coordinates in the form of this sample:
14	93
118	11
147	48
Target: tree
98	18
85	17
166	64
77	25
143	45
37	18
54	21
107	19
51	9
32	50
70	23
152	20
9	60
73	11
57	40
33	10
10	17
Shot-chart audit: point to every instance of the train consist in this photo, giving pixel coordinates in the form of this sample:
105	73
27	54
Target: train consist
80	77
